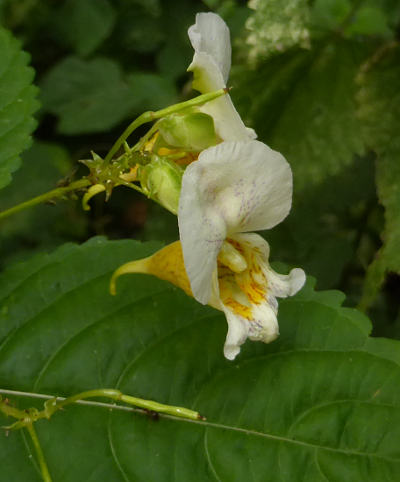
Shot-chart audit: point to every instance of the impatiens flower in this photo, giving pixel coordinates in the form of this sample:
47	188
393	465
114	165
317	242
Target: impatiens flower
233	188
210	66
236	186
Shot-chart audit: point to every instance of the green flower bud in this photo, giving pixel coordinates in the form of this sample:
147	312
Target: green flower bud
161	180
192	132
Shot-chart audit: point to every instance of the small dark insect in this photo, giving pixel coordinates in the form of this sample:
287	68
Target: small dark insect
152	414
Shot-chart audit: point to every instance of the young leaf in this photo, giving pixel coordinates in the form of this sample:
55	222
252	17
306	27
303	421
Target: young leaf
379	100
17	104
88	96
320	403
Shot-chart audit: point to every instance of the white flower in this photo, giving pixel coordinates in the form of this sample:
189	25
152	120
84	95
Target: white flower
234	188
210	66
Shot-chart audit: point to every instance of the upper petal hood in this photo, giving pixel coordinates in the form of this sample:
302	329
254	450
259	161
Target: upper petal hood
210	35
210	66
233	187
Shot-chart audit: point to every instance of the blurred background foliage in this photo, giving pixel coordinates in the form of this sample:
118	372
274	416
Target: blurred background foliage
318	80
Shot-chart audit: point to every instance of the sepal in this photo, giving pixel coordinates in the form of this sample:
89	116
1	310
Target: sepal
161	180
191	132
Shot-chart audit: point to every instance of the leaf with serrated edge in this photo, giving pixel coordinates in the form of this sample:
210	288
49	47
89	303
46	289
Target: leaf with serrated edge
319	404
17	104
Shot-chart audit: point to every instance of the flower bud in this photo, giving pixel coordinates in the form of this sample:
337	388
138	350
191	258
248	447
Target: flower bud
161	180
192	132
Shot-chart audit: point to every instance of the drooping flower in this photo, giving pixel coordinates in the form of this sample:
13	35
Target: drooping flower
211	65
236	188
233	188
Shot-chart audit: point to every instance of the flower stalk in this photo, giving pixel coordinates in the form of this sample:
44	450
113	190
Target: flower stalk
57	193
151	116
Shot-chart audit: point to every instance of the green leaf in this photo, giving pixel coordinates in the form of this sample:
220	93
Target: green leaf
47	226
17	104
306	108
151	91
303	105
84	25
369	17
379	100
87	96
320	403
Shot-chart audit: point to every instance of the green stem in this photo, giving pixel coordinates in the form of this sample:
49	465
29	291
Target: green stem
117	395
39	453
54	194
52	405
150	116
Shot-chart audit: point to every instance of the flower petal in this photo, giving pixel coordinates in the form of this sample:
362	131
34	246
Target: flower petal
263	327
210	35
238	329
233	187
280	285
228	123
210	66
201	235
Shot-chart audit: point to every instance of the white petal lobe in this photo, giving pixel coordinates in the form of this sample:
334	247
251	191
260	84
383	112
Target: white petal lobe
210	35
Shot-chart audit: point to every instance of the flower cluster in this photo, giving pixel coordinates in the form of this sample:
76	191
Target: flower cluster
232	186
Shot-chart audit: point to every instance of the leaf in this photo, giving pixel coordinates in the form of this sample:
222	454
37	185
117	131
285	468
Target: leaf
303	105
369	17
322	232
88	96
306	109
140	27
151	91
44	227
379	99
17	104
84	25
321	403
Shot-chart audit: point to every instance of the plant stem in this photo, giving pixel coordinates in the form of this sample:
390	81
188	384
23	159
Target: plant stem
54	194
52	405
150	116
117	395
39	453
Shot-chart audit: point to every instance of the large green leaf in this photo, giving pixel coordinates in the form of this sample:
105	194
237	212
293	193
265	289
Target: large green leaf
379	100
88	96
319	404
302	104
17	104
